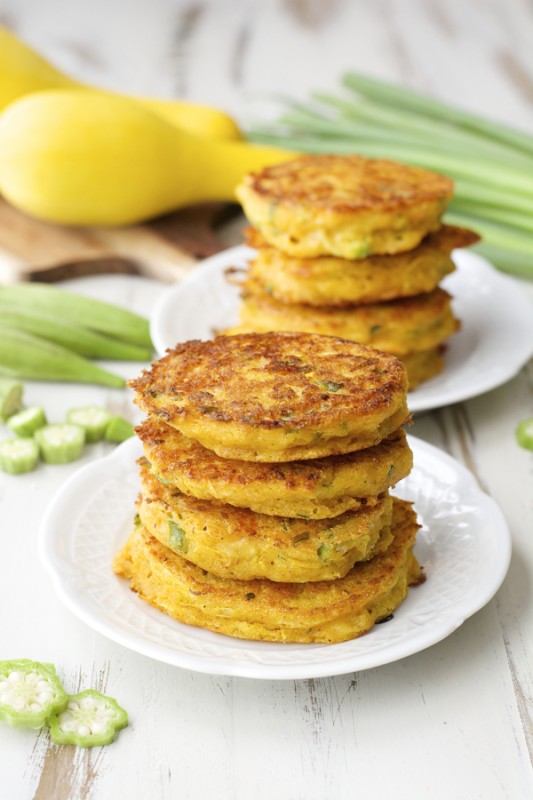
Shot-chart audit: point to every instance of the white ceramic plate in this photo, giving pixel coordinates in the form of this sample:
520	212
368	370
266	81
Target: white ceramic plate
495	341
464	545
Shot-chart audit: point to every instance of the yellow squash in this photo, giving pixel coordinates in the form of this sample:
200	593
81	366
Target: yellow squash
22	71
90	158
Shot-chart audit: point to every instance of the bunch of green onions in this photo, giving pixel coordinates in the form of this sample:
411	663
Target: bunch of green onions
491	163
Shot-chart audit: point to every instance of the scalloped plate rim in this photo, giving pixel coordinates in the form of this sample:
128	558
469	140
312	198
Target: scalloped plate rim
442	390
122	463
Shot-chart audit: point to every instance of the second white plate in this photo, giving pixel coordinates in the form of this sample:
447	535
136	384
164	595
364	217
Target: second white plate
495	340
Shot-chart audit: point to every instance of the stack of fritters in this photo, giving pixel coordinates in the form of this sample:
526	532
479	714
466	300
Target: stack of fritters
265	510
352	247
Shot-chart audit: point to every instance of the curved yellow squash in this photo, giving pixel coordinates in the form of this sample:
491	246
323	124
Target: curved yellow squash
22	71
90	158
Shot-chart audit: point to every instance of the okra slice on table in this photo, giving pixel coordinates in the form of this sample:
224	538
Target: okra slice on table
30	692
92	419
90	719
10	397
524	434
26	422
18	455
118	429
60	443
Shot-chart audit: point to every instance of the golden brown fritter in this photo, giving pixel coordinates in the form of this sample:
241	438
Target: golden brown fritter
315	489
346	206
421	365
327	611
330	281
398	326
237	543
277	396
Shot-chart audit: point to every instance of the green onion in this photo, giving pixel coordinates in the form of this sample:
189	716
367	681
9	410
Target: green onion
491	163
426	106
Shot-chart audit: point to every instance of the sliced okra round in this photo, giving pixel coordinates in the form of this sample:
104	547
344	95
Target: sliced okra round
92	419
18	456
26	422
10	397
118	429
60	443
90	719
30	692
524	433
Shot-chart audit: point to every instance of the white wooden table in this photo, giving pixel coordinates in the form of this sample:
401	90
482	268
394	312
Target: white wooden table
454	722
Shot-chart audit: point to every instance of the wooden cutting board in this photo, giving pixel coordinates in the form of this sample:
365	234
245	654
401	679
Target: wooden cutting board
165	248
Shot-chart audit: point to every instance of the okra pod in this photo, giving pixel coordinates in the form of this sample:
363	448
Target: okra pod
27	356
94	314
73	336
